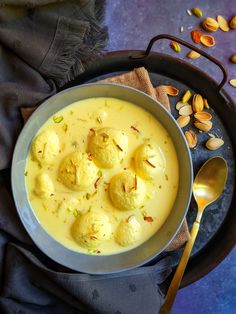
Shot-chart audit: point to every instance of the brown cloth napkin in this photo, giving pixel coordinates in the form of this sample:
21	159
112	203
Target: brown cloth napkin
139	79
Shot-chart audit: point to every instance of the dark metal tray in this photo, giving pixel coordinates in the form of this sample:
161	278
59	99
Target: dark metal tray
217	232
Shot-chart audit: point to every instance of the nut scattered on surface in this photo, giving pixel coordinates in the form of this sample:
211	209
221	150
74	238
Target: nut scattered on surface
233	58
189	12
186	110
191	138
196	35
193	55
197	12
180	104
175	46
211	135
207	40
210	25
171	90
203	126
183	121
233	82
232	23
223	24
214	143
206	105
197	103
202	116
187	95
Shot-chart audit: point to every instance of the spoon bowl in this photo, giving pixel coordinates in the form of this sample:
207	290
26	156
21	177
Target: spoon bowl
210	181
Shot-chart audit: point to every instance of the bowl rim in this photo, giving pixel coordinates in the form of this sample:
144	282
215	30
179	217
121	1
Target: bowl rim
41	108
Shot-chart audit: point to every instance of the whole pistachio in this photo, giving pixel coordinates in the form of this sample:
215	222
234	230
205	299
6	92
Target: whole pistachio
214	143
210	25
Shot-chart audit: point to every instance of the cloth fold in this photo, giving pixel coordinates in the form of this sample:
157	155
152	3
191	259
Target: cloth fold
47	291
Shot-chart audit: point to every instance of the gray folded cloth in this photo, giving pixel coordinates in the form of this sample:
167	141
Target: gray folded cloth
41	48
43	45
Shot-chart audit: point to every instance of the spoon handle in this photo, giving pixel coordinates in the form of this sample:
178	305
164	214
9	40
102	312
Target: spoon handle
176	280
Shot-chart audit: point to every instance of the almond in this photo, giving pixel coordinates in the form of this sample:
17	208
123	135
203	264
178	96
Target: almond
197	103
191	138
210	25
203	116
186	110
232	23
193	55
223	24
203	126
207	40
183	121
214	143
171	90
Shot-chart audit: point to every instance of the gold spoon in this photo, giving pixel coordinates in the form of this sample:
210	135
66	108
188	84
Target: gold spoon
207	187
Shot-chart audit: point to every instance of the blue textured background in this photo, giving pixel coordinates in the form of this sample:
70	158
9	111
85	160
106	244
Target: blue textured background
131	25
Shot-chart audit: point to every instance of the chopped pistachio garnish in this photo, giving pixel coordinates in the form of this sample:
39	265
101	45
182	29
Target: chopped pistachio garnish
88	196
160	186
92	251
74	143
44	207
26	173
99	173
99	120
166	176
57	119
144	213
94	193
75	212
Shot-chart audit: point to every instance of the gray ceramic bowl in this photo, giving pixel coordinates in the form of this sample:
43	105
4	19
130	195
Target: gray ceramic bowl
91	263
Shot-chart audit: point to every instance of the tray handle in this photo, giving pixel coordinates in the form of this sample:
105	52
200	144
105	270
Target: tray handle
186	44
